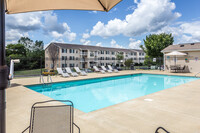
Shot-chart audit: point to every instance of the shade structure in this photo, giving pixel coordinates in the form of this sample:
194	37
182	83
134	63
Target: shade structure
19	6
176	53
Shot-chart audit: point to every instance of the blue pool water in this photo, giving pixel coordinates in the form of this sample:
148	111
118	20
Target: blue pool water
93	94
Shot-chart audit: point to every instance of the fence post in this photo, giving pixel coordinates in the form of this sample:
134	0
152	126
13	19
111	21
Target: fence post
41	66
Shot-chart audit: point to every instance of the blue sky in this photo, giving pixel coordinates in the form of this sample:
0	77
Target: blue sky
125	26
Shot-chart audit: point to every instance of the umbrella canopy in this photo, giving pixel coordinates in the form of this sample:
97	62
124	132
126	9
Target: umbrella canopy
18	6
176	53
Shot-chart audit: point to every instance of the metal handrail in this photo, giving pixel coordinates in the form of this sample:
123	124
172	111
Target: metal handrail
197	74
42	79
49	77
49	80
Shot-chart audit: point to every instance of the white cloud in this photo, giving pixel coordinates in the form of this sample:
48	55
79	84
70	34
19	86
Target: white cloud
85	42
24	21
45	22
115	45
184	32
95	12
132	7
149	16
86	35
134	44
57	30
99	44
12	36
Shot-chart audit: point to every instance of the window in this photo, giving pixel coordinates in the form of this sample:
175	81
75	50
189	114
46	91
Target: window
63	57
63	50
71	50
71	65
63	65
135	58
76	51
135	53
107	52
71	58
113	53
102	52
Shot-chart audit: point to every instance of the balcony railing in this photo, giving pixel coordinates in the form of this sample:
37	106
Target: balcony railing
83	53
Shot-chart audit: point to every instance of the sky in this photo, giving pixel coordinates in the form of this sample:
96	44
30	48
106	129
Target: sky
124	26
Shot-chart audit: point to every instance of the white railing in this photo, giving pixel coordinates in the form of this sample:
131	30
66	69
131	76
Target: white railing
49	79
83	53
197	74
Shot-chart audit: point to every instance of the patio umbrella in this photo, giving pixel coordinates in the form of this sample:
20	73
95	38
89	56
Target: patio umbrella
21	6
175	54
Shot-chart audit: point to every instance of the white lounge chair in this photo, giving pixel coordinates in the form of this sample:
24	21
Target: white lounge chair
103	67
60	72
83	73
110	68
69	71
97	69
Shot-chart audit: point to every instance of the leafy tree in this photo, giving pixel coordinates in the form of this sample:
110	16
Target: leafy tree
119	56
30	53
128	62
15	50
155	43
53	54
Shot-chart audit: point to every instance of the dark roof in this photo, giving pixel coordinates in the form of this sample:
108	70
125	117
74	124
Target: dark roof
86	47
183	47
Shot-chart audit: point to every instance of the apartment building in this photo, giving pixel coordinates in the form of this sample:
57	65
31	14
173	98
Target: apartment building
85	56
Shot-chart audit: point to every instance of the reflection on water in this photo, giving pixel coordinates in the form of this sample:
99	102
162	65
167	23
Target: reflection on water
93	94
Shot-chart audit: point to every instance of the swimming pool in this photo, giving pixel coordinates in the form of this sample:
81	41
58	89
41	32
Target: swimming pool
93	94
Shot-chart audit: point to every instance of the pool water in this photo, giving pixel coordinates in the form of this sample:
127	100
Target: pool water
93	94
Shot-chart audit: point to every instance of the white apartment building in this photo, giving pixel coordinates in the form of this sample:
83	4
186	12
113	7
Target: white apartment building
85	56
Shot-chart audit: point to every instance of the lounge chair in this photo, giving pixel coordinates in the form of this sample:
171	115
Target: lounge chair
69	71
97	69
110	68
103	67
60	72
83	73
161	129
52	117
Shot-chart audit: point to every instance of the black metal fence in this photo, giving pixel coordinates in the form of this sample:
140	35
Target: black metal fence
35	66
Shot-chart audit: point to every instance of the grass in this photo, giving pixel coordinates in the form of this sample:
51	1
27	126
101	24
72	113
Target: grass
28	72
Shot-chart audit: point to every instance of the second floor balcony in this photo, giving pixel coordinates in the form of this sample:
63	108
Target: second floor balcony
84	53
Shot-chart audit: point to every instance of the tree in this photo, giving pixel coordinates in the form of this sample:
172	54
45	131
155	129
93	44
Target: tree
30	53
128	62
53	54
119	57
155	43
15	50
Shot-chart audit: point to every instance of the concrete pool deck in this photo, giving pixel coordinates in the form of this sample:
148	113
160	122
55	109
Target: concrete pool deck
177	109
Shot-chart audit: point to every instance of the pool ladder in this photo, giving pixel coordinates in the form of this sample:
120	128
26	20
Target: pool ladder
49	80
197	74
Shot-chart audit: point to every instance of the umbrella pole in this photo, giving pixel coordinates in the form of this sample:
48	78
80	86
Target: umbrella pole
3	69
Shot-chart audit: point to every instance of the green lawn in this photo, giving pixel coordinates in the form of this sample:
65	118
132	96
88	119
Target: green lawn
28	72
